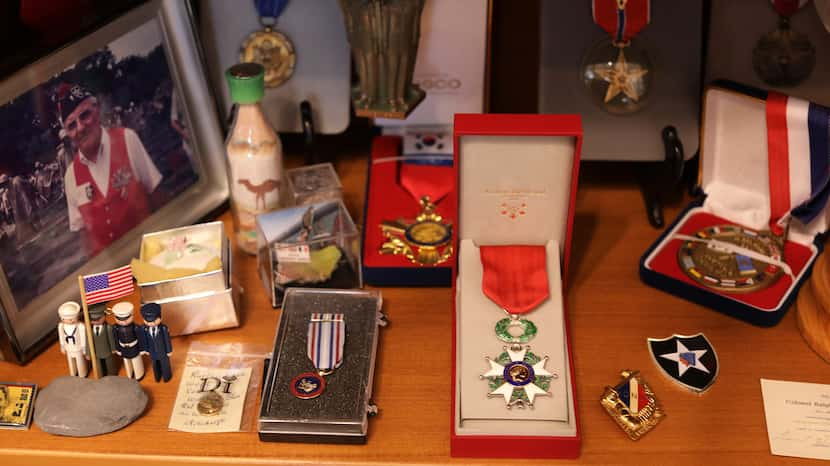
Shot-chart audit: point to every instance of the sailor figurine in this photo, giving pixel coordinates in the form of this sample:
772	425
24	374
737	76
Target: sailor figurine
155	341
72	338
103	340
126	334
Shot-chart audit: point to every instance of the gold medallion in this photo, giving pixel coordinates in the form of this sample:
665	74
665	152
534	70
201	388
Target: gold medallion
718	257
274	51
424	241
632	405
210	404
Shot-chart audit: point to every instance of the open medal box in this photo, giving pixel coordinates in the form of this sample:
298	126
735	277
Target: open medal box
452	67
735	177
517	180
387	200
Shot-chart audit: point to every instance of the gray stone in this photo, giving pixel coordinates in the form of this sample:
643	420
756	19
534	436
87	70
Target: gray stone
80	407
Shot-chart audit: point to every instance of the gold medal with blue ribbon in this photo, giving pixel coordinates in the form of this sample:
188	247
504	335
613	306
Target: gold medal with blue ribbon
269	47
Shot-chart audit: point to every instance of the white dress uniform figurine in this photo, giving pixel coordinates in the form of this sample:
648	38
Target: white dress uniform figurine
126	340
72	337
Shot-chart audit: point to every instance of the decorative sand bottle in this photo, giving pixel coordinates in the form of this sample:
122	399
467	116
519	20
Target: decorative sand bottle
254	154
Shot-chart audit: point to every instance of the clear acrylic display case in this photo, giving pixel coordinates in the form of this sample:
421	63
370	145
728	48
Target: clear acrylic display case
314	183
311	246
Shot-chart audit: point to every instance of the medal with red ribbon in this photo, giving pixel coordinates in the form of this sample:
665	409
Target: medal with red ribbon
516	278
425	240
325	342
621	81
784	57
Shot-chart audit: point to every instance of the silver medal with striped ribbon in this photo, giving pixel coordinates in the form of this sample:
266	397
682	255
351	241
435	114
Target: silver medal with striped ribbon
326	339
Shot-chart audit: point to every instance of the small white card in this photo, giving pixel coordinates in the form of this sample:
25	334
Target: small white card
230	384
798	418
299	253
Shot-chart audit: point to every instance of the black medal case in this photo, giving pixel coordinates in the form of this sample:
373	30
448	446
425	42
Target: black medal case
341	412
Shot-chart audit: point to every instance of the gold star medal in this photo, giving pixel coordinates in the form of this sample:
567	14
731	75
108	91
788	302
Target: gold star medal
615	71
622	77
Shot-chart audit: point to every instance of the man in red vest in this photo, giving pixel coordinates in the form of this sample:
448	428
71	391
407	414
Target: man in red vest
110	179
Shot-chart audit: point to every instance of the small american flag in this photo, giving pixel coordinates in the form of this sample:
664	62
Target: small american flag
108	285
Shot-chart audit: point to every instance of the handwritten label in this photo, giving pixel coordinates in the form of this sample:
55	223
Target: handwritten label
197	382
798	418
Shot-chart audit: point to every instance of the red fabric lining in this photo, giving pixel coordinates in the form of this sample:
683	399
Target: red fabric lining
665	262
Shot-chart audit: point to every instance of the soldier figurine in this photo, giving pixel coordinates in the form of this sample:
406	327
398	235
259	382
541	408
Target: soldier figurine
155	341
72	338
126	335
103	340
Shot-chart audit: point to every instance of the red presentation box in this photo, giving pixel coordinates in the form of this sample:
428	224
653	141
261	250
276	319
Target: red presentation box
517	181
387	200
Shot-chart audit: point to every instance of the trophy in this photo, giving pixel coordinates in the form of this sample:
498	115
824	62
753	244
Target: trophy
384	35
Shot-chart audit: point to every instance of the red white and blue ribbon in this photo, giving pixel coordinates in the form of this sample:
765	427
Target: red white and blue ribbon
632	394
788	7
622	19
326	338
798	133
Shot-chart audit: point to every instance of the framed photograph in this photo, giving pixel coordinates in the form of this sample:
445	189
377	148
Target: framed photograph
108	138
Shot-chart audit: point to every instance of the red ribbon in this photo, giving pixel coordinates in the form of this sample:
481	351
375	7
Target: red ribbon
622	19
515	277
434	181
778	159
787	7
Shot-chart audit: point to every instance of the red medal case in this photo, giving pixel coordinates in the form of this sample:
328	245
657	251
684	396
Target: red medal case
517	178
735	180
387	200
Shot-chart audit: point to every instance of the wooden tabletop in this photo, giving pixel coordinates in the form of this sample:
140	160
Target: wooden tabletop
611	315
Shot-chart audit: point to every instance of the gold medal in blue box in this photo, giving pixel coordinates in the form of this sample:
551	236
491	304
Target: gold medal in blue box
269	47
732	258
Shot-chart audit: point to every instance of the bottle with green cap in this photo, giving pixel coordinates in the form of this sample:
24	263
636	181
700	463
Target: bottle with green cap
254	154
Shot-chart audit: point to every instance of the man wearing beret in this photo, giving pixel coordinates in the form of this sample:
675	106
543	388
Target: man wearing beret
156	341
103	340
110	181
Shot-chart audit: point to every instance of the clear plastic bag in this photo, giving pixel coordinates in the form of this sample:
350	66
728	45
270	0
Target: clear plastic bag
212	394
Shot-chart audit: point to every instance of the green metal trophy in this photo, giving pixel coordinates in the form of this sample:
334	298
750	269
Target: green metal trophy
384	35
